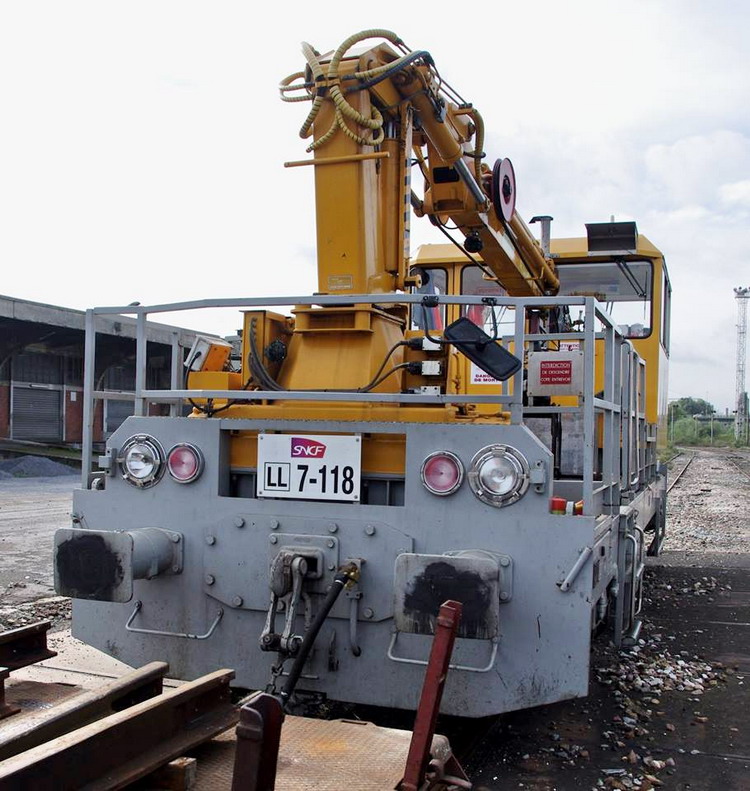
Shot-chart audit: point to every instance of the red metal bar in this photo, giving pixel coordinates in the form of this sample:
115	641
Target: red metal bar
258	738
432	693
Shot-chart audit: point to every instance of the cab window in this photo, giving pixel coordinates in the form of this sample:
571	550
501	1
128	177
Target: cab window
666	310
474	282
624	287
434	281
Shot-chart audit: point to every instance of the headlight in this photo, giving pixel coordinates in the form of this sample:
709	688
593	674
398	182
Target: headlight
142	461
499	475
442	473
185	463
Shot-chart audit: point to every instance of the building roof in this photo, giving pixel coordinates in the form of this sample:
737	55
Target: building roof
26	325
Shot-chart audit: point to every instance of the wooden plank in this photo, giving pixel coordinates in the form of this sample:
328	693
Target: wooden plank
178	775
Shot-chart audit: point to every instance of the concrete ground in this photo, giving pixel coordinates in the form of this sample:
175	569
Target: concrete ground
686	740
31	509
696	612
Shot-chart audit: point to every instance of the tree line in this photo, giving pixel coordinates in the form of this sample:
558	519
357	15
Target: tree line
690	423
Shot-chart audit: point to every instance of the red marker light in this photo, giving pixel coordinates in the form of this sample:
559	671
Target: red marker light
442	473
185	463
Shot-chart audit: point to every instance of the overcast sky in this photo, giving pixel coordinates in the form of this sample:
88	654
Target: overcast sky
141	143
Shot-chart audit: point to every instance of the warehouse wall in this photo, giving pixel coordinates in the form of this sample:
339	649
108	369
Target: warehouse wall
4	409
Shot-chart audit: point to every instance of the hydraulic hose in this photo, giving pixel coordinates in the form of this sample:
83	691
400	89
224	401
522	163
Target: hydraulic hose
389	35
478	152
287	85
338	584
261	375
330	80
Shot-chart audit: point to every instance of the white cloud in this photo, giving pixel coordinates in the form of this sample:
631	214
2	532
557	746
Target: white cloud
693	169
737	193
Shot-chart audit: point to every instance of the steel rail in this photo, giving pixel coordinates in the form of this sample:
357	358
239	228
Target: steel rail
25	645
44	724
680	473
113	752
738	468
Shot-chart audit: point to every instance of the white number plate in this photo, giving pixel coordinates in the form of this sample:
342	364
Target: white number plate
309	466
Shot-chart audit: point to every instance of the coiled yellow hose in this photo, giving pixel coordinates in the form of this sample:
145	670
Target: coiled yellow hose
330	79
478	143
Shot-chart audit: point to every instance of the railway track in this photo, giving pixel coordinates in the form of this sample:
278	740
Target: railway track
743	467
681	472
738	462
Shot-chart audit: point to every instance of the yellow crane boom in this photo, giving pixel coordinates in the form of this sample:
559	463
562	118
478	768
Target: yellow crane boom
375	112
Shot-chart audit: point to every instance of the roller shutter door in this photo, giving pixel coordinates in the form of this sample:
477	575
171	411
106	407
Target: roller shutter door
36	414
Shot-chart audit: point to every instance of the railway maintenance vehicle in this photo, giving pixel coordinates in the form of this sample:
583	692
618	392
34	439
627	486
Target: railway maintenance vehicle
478	421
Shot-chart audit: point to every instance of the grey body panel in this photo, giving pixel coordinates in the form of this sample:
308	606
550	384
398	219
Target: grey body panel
544	633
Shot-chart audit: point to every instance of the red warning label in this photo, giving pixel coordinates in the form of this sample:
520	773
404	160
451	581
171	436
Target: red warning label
555	372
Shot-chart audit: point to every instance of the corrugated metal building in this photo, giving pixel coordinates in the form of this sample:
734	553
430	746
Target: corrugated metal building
41	370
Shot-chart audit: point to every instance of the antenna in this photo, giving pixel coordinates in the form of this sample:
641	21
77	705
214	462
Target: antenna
741	414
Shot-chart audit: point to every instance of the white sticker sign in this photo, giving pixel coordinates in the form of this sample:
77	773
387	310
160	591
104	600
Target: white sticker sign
480	377
309	466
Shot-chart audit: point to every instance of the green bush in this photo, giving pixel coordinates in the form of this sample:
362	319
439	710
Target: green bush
687	431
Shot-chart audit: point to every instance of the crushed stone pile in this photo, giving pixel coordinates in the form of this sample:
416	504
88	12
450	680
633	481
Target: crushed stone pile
647	670
33	467
638	677
52	608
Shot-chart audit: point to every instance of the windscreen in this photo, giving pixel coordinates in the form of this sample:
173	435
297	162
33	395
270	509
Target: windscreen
625	288
474	282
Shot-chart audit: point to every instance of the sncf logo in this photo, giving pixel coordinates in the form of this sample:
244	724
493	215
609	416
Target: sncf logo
307	448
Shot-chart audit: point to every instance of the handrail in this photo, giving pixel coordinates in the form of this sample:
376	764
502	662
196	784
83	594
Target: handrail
391	654
335	300
597	326
161	633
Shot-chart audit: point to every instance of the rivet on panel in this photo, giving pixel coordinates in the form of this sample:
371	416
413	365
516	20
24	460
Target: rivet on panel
332	527
331	566
175	538
370	530
210	540
274	524
368	612
273	539
504	562
209	579
504	596
239	521
237	601
331	543
175	569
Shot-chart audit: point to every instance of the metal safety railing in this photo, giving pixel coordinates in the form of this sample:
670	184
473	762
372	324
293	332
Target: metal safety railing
613	455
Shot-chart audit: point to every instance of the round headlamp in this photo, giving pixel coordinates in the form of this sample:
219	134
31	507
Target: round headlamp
142	461
442	473
185	462
499	475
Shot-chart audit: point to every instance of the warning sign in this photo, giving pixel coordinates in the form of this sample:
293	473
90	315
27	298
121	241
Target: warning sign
555	372
480	377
